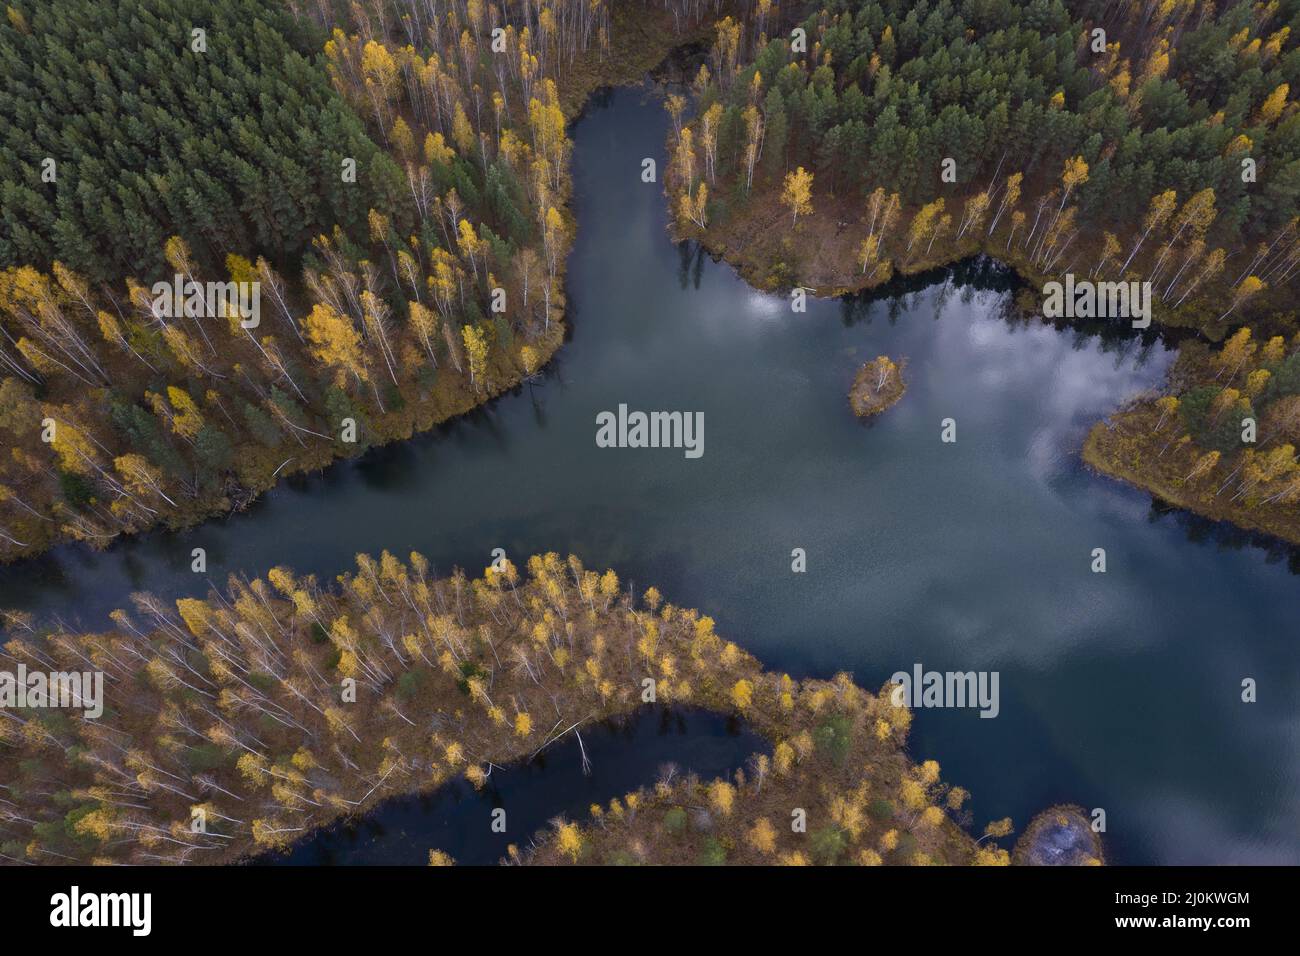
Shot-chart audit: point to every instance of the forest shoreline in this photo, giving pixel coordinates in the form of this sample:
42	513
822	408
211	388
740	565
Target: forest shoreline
802	167
1102	455
642	40
740	243
1099	455
266	739
1099	452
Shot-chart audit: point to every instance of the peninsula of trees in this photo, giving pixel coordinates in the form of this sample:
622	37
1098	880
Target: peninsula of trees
1222	441
1117	141
240	723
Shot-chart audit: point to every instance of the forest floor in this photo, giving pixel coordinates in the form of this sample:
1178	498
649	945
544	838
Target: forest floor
642	39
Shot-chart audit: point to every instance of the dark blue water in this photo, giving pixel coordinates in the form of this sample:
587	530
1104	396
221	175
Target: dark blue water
1118	690
457	819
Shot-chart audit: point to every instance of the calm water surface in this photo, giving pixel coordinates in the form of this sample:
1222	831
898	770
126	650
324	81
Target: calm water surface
457	819
1118	690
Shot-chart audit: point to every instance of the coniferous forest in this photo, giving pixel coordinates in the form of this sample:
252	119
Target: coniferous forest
237	147
405	217
1028	130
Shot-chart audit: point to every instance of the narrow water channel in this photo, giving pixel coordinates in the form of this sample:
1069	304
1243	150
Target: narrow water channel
1118	690
457	819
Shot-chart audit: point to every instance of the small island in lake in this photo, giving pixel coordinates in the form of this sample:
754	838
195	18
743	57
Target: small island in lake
878	385
1059	836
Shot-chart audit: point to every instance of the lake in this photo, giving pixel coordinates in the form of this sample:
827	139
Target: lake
1119	691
